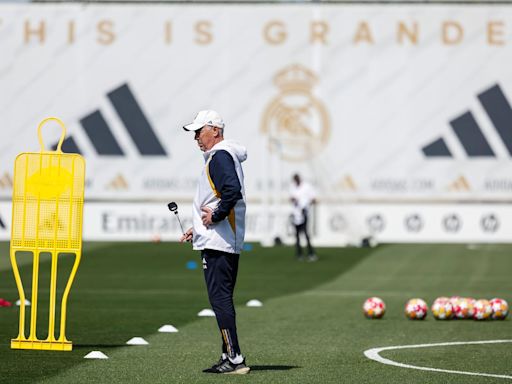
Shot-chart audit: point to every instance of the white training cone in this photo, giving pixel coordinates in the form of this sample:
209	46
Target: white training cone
167	329
254	303
206	313
27	303
95	355
137	341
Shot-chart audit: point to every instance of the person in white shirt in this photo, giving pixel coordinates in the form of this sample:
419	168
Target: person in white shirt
302	196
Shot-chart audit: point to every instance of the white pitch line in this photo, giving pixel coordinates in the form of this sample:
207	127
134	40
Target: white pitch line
373	354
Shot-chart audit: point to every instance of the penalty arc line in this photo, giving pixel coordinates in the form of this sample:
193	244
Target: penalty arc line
373	354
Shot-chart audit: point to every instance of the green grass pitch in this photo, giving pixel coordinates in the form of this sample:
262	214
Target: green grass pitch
310	329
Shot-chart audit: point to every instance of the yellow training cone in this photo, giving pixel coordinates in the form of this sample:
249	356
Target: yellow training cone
47	207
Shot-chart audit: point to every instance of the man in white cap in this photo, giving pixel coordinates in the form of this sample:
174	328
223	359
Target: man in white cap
218	229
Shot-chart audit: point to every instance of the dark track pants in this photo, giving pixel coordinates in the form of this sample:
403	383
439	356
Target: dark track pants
220	271
302	228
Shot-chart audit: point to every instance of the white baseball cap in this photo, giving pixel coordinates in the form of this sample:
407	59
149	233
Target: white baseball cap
203	118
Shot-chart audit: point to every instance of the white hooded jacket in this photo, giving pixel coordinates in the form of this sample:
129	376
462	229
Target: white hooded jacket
226	235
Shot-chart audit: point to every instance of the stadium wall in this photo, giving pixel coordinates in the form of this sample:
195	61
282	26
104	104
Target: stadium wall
389	110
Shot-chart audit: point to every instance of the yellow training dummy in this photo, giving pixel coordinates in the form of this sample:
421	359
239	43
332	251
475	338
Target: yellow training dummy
47	206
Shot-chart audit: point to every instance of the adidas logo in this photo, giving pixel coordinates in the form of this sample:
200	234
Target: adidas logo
6	181
347	183
460	184
118	183
134	120
2	225
469	133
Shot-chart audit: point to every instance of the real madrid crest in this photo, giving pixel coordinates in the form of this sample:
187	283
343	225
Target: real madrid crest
297	124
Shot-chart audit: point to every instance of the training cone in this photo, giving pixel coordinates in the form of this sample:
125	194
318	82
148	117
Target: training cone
27	303
167	329
254	303
95	355
191	264
206	313
137	341
5	303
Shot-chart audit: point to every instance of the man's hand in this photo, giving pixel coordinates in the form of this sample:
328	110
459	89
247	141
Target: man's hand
207	216
187	236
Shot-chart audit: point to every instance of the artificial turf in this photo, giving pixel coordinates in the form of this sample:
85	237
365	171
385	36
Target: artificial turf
310	329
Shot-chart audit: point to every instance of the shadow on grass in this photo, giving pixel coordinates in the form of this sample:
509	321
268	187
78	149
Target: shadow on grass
99	346
273	367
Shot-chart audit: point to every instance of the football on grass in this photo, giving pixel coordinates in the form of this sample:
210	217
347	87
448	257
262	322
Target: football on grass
416	309
463	307
442	308
482	309
374	308
499	308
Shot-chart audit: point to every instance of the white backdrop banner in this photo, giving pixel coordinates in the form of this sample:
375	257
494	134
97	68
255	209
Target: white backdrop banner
370	103
331	225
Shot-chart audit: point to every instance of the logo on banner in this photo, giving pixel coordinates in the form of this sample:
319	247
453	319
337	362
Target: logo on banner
490	223
469	133
347	183
2	224
413	223
118	183
134	120
296	122
452	223
459	185
338	223
376	223
6	181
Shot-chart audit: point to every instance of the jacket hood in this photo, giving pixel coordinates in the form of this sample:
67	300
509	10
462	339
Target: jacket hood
232	147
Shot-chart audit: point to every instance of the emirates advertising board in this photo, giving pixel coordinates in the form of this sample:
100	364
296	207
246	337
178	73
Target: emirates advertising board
381	106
